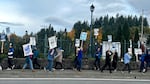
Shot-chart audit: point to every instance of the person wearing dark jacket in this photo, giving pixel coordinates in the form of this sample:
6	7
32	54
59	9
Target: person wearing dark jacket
97	59
35	58
147	60
115	60
107	61
79	58
142	64
10	57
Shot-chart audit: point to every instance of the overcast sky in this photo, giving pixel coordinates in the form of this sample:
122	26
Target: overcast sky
32	15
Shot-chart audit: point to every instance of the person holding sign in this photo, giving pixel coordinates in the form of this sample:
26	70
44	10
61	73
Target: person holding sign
10	57
28	61
28	53
50	58
79	58
97	58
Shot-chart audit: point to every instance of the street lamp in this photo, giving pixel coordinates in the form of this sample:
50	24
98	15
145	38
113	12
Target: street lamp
92	10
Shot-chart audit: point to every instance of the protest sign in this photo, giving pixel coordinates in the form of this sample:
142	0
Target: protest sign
52	42
77	43
27	49
32	41
83	36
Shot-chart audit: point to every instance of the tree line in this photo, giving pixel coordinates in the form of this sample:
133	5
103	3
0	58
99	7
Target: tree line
120	27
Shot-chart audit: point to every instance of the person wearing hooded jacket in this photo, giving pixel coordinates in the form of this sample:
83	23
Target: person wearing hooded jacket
97	59
58	58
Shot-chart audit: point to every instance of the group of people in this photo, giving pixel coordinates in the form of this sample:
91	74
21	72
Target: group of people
111	59
58	58
56	54
145	61
32	59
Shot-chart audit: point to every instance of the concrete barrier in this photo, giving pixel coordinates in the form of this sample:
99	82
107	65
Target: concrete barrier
67	63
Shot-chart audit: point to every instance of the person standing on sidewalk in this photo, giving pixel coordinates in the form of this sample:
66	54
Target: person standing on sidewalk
50	58
127	59
10	57
115	60
35	58
79	58
107	61
59	58
75	59
97	58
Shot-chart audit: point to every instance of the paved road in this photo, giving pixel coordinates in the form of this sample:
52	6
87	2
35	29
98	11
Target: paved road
72	81
73	74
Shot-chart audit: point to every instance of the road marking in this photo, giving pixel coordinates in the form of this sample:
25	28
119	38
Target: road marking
74	79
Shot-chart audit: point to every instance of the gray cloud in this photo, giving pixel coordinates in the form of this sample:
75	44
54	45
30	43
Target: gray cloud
140	4
64	13
62	22
11	24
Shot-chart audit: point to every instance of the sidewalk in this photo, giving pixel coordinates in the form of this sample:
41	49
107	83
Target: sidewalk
17	73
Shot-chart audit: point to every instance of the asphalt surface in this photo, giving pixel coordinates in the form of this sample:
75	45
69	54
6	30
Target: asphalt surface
72	81
17	73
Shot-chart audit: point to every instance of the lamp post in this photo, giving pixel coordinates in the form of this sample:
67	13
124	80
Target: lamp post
92	10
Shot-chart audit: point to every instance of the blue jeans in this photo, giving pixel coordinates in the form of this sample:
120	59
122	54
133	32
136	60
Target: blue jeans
79	64
28	61
142	66
50	65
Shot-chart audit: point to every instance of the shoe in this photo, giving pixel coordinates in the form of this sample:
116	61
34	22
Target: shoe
115	70
122	71
33	70
101	70
61	69
130	72
144	70
53	69
13	66
140	71
22	70
44	69
8	69
74	69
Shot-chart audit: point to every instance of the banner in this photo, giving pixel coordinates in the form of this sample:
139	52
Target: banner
77	43
27	49
83	36
32	41
52	42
